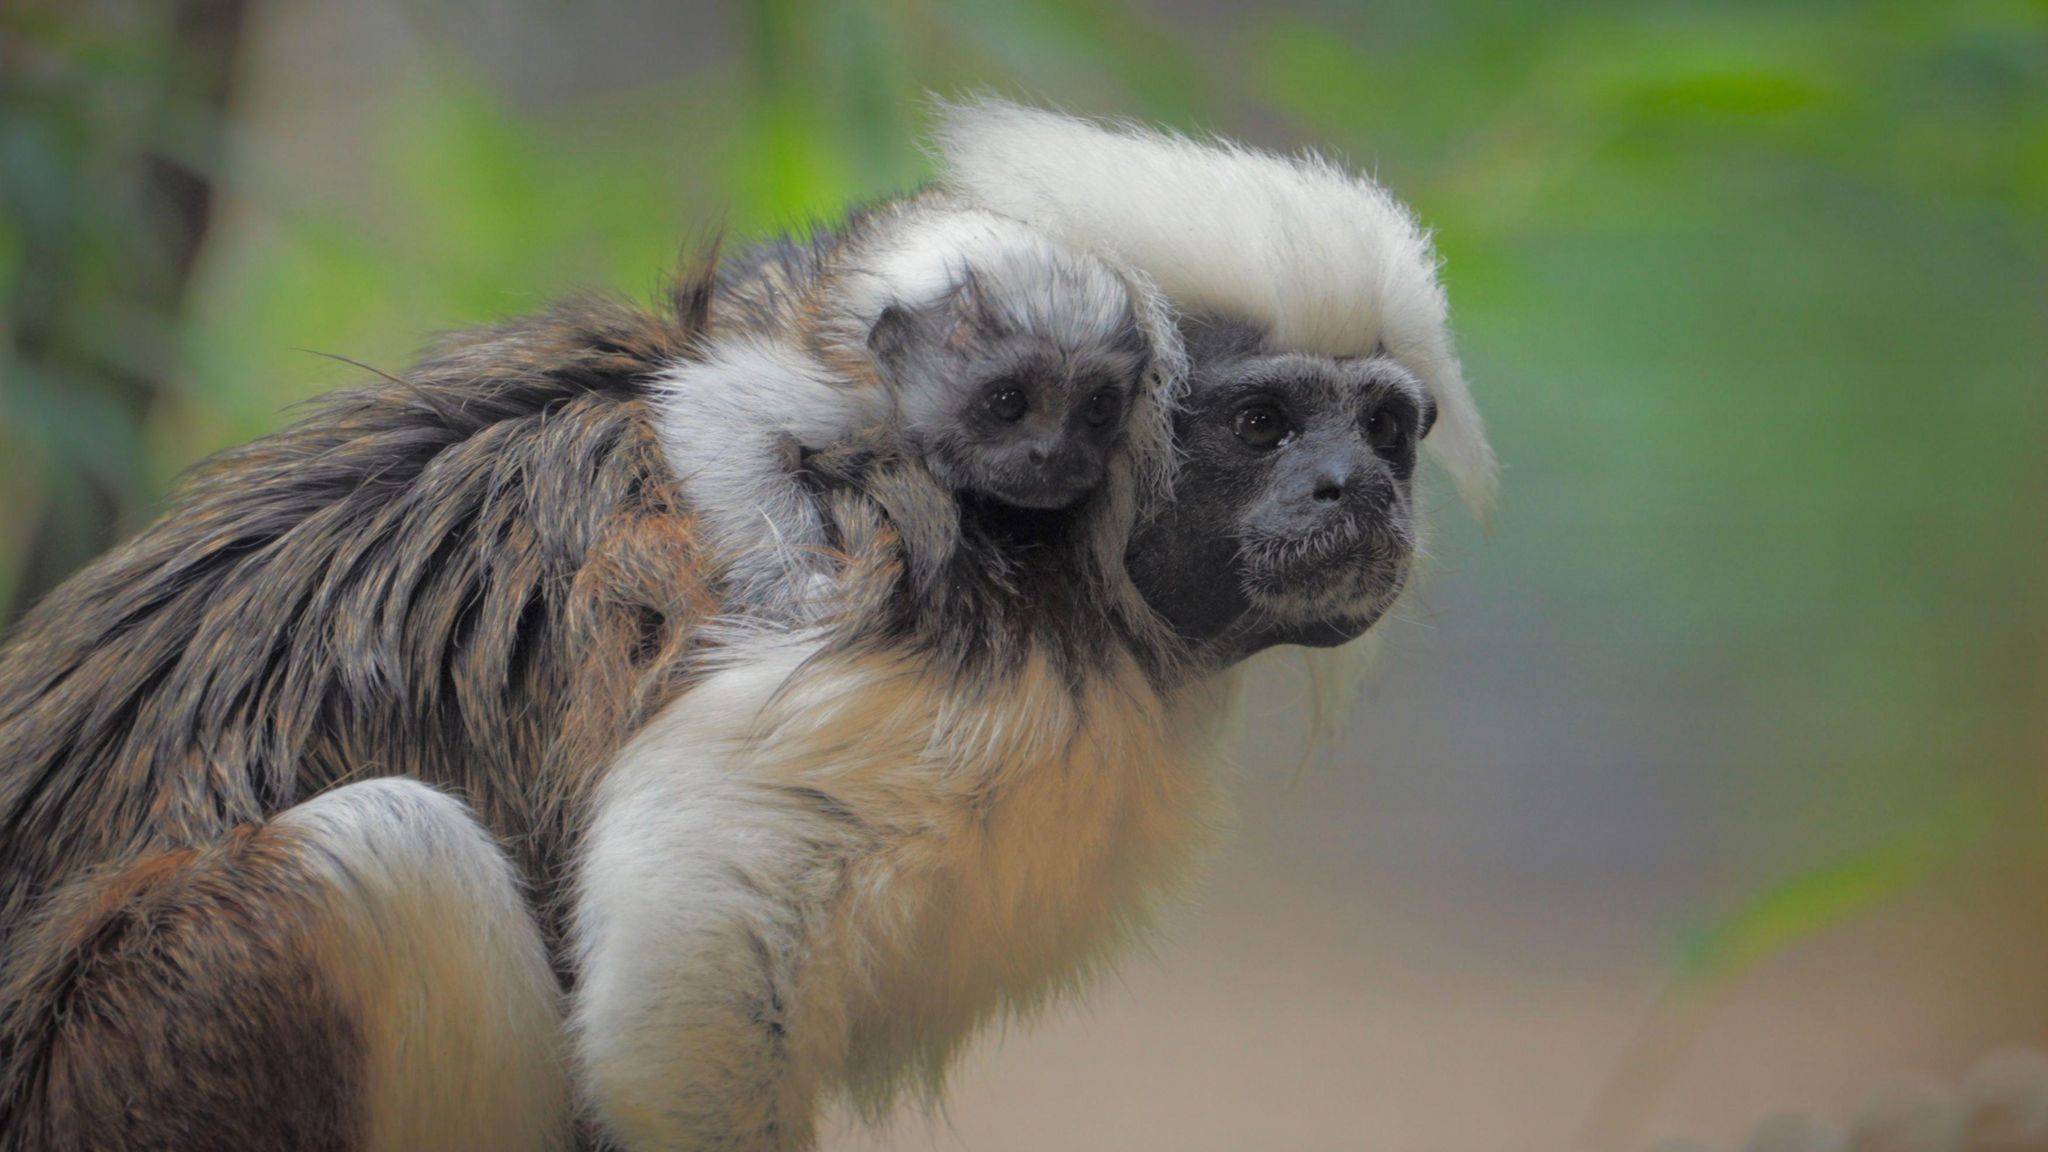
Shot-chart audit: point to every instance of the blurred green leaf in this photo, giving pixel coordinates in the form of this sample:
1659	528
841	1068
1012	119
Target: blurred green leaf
1800	907
1811	902
1090	48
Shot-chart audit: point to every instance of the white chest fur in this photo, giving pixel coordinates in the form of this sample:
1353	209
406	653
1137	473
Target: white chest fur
816	872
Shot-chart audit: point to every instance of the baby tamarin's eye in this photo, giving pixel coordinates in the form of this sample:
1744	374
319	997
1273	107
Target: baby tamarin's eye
1006	402
1104	406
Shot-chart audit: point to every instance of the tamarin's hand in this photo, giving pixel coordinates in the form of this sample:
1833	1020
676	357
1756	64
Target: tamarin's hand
850	462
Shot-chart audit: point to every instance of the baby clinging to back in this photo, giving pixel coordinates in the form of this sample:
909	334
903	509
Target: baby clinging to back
1006	363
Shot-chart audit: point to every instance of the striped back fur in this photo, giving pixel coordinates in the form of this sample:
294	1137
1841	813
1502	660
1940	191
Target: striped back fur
476	575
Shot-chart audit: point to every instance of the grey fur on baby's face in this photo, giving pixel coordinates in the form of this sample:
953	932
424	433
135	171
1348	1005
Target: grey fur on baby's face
1016	395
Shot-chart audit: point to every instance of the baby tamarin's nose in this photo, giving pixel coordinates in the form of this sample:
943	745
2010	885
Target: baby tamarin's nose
1056	455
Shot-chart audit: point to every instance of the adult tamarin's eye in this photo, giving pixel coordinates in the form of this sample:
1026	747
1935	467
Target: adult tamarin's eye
1104	406
1262	426
1384	429
1007	403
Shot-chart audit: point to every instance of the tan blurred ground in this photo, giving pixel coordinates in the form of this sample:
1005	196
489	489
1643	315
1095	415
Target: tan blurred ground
1355	1009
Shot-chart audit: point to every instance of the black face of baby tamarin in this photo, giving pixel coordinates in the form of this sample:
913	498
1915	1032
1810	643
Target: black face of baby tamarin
1297	480
1015	386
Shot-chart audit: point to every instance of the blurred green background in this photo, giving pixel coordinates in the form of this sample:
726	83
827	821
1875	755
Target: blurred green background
1709	782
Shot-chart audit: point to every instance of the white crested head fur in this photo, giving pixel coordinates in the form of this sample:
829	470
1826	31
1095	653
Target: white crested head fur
1325	260
921	258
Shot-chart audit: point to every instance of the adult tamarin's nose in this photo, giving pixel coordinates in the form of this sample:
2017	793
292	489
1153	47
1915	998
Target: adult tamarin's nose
1332	481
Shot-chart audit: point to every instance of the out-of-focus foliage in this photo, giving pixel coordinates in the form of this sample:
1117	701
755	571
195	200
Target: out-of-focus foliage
1753	296
1756	294
104	128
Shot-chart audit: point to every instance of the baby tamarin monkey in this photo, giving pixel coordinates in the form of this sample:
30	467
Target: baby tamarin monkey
934	427
1005	362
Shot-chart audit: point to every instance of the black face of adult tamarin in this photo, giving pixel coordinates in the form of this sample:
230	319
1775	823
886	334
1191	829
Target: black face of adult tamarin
1024	414
1296	482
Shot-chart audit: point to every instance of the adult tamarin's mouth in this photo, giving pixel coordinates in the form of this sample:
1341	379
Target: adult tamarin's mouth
1345	571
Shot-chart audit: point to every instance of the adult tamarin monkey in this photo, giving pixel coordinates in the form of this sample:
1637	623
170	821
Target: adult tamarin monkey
242	906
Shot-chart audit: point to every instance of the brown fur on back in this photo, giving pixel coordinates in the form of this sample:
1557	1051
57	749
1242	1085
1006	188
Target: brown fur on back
783	288
476	575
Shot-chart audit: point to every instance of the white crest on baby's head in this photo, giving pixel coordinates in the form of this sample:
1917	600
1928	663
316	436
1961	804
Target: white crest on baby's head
1068	296
1325	260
